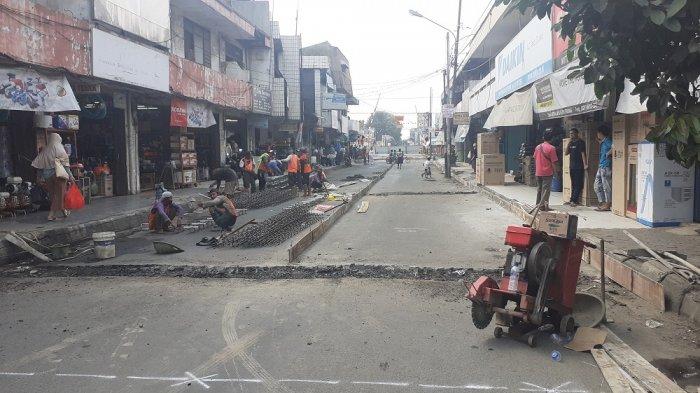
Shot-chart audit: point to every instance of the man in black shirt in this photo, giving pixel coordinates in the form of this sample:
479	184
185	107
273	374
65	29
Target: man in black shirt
576	150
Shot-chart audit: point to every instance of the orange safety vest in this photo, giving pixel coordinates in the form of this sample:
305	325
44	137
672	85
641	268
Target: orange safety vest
248	165
293	165
307	166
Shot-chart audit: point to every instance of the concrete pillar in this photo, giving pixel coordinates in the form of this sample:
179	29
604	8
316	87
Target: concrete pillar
132	146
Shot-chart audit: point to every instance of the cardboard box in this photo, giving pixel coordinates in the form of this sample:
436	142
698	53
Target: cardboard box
105	185
665	189
631	183
490	169
620	137
557	224
493	159
487	143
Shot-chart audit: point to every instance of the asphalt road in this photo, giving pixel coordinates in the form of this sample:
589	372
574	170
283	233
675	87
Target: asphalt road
173	335
416	222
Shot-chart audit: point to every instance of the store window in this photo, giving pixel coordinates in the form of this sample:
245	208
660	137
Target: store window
197	43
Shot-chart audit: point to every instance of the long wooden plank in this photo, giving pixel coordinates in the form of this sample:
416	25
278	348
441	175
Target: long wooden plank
635	365
611	372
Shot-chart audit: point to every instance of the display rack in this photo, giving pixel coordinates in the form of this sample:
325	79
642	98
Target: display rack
183	156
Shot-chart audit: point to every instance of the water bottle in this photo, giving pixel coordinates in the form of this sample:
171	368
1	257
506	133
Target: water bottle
513	281
556	356
561	340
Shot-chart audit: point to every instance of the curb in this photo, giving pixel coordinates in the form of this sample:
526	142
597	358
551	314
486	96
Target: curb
278	272
317	231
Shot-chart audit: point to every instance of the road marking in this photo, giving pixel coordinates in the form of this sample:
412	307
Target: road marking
464	387
232	380
87	376
310	381
536	388
381	383
194	378
17	374
156	378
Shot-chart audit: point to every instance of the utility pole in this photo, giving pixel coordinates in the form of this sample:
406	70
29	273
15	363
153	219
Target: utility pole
430	125
450	89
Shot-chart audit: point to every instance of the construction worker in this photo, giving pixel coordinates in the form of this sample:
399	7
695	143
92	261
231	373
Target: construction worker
292	161
263	170
306	169
248	172
222	209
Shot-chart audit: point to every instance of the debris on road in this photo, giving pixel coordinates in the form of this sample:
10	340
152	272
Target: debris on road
653	324
364	206
586	339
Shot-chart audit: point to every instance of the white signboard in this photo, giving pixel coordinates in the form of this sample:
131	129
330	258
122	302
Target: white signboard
526	58
22	89
124	61
149	19
461	118
448	111
334	101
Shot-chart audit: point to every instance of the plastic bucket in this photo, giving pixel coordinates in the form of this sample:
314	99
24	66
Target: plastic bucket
557	184
104	244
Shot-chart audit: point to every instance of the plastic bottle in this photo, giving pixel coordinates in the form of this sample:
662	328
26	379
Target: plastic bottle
556	356
561	340
514	275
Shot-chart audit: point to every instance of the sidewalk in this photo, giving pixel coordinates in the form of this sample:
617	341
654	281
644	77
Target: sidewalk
626	263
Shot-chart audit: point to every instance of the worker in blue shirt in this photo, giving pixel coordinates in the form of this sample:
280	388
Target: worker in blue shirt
603	178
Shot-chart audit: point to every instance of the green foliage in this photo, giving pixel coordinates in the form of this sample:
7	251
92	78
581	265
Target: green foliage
384	123
653	43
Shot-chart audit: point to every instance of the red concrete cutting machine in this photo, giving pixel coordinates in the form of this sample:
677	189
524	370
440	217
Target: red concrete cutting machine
537	288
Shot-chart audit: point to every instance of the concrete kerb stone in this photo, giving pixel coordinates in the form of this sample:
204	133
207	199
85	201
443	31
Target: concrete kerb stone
311	235
258	272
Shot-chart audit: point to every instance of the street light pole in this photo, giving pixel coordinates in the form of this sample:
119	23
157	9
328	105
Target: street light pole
450	89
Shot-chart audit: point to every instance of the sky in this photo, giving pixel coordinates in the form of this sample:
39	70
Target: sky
389	51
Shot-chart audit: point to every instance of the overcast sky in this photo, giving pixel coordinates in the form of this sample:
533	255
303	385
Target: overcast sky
389	51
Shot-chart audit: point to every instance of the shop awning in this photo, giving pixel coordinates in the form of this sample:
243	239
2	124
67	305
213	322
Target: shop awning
29	90
628	103
515	110
558	96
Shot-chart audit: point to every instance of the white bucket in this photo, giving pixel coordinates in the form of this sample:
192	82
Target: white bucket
104	245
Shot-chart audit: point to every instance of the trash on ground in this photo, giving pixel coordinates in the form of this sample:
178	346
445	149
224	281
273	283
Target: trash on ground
364	206
556	356
586	339
653	324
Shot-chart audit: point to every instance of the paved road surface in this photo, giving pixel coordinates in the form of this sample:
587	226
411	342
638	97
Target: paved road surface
174	335
416	222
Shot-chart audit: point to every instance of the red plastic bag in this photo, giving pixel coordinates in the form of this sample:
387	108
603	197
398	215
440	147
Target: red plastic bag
74	198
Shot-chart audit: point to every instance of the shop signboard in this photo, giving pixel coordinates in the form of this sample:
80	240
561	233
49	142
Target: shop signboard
423	120
257	121
336	101
526	58
461	119
262	99
149	19
191	114
22	89
121	60
559	96
448	111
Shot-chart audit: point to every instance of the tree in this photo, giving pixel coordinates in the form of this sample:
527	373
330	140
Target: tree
653	43
384	123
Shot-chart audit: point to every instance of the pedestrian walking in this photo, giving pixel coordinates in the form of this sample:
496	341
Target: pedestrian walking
399	158
52	164
545	157
603	178
576	150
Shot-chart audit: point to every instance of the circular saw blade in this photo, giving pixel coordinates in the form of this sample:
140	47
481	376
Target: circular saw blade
481	315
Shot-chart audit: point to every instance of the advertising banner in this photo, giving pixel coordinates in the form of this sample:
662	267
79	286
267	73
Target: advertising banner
423	120
184	113
526	58
121	60
334	101
560	47
461	119
558	96
22	89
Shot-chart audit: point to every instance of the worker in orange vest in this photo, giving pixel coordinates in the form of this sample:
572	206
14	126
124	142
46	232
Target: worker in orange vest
248	168
305	166
292	161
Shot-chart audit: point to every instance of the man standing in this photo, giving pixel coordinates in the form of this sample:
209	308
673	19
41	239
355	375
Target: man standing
292	168
576	150
545	157
603	178
263	170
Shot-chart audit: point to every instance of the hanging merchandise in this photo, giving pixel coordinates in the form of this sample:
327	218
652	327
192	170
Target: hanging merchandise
28	90
185	113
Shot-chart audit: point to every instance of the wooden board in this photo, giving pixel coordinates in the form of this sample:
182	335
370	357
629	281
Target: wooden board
611	372
651	379
364	206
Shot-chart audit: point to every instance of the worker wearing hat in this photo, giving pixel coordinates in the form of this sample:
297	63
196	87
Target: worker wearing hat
165	214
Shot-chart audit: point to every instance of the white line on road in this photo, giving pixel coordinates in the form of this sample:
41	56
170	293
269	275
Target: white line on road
88	376
310	381
232	380
464	387
381	383
17	374
194	378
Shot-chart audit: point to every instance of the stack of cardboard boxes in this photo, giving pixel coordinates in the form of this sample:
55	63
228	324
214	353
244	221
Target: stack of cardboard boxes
627	132
588	133
490	164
